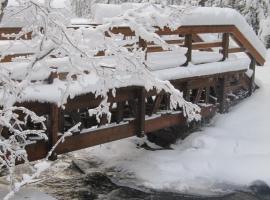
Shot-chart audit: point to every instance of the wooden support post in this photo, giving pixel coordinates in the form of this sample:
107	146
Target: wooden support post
225	45
53	129
252	78
140	116
188	45
222	95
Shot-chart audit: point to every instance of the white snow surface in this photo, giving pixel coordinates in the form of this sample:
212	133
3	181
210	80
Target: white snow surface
164	67
234	150
158	15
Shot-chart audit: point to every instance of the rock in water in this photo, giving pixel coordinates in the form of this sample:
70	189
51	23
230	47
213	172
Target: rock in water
260	188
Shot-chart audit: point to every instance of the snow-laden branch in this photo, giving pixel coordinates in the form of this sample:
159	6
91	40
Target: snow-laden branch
59	48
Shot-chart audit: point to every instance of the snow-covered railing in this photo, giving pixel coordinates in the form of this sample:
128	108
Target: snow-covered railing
192	19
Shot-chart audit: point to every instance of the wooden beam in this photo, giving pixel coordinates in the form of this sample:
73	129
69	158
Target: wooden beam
236	50
206	45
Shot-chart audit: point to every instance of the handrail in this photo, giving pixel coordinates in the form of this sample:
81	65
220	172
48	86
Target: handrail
183	30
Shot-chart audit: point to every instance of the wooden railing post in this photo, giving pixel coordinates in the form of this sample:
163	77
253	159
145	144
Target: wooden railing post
225	45
140	114
188	45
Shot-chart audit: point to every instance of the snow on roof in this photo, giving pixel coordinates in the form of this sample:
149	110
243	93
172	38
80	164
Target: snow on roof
176	16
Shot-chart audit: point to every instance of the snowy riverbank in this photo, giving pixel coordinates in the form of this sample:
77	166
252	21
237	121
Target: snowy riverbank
233	151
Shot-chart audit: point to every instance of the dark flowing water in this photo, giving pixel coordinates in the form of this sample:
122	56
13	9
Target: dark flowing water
75	183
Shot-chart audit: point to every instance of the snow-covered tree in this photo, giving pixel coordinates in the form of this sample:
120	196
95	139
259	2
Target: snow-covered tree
59	40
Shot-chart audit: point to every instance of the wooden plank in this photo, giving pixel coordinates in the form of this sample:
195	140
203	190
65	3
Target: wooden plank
236	50
249	47
99	136
205	45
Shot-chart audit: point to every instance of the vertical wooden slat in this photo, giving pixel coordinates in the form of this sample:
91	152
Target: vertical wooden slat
140	117
225	45
188	45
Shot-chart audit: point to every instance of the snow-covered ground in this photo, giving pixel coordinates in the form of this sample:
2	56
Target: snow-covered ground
233	151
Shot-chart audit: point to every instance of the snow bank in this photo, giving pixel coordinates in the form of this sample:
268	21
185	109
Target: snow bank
157	15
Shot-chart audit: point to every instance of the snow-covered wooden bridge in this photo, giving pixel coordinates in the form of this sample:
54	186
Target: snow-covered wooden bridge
207	68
